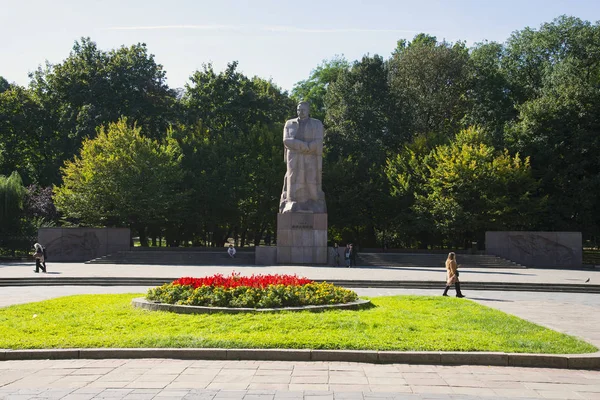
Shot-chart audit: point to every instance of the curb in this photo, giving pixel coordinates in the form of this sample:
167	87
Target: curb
469	285
559	361
142	303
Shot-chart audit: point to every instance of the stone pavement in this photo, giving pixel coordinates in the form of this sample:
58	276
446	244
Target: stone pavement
25	269
270	380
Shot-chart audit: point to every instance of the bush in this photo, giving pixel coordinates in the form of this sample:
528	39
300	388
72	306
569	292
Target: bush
254	292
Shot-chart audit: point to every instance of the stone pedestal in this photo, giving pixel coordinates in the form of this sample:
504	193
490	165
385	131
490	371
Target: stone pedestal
265	255
301	238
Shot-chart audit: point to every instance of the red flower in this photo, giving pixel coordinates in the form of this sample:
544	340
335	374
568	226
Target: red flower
235	280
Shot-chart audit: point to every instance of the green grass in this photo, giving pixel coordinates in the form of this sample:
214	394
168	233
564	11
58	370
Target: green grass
401	323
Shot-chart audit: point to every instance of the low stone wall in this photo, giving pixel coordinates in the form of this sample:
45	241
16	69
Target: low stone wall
83	244
537	249
141	302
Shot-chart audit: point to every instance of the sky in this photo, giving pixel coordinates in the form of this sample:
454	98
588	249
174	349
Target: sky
280	40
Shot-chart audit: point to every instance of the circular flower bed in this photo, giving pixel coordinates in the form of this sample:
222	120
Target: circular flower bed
256	291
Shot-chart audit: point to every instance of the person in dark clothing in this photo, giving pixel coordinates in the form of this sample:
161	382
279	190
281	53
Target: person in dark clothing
353	255
336	255
348	255
40	263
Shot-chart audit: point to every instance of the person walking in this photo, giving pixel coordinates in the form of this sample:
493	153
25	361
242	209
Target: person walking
39	258
452	275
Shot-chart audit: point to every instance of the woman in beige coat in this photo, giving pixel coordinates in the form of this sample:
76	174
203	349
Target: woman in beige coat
452	275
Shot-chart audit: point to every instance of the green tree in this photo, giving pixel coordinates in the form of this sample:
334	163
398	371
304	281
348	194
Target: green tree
233	153
315	87
555	75
490	104
469	188
4	85
24	141
122	178
12	194
93	87
428	81
358	136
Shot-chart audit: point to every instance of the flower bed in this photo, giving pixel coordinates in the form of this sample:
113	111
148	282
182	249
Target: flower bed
256	291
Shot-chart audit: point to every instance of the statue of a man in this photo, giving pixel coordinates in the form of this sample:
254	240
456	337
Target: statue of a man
303	154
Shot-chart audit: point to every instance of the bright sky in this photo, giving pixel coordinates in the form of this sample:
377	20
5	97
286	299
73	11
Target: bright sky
278	39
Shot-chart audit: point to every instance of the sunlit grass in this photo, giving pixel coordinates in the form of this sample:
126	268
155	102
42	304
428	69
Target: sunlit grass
403	323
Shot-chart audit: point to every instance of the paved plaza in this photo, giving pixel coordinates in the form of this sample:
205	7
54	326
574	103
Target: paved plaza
512	275
258	380
573	313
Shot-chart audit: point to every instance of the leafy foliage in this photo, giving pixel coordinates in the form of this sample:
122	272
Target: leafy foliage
122	178
516	122
13	232
359	134
256	291
93	87
314	89
233	155
270	296
467	187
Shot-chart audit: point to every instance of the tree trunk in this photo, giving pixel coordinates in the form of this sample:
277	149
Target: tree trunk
142	233
243	238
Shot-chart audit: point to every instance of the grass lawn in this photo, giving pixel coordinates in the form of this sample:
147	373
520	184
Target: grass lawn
419	323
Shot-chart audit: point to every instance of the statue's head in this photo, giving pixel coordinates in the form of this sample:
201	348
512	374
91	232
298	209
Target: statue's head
303	109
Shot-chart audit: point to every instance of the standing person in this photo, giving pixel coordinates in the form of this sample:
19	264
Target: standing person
39	258
45	258
452	275
348	255
336	255
231	251
353	255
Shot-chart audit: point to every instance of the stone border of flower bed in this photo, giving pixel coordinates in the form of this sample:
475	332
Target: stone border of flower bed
141	302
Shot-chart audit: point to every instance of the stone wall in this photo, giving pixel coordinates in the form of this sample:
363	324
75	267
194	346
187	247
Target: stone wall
83	244
265	255
537	249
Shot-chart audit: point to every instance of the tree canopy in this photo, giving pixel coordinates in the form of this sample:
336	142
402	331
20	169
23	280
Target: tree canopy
428	147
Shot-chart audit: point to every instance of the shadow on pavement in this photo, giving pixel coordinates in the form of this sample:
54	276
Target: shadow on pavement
485	299
442	269
17	264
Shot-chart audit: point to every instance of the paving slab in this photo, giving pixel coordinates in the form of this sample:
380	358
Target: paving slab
337	380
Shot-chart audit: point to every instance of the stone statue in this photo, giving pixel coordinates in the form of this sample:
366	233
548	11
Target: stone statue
303	154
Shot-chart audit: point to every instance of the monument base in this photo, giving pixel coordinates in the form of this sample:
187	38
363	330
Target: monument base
301	238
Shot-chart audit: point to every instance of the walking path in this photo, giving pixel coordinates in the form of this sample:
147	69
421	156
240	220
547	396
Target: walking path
270	380
573	313
513	275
